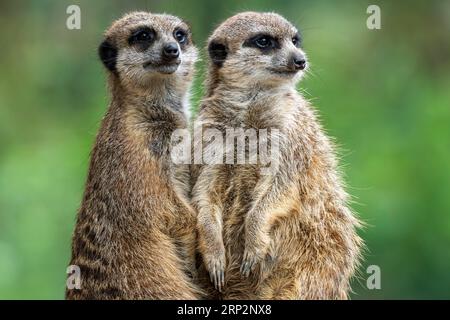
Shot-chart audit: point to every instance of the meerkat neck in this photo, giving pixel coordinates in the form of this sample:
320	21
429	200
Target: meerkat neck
161	93
249	93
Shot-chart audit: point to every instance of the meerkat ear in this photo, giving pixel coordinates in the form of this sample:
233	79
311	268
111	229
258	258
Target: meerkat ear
108	54
218	53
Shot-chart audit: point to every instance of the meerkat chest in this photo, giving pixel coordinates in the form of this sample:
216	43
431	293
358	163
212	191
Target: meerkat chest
239	191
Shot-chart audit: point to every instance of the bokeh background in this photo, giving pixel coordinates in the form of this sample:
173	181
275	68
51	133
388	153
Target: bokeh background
384	94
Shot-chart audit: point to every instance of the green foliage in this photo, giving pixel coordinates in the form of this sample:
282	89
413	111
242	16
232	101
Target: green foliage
384	94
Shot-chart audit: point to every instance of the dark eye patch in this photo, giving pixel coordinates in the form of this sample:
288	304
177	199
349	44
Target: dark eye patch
264	42
142	37
297	40
181	36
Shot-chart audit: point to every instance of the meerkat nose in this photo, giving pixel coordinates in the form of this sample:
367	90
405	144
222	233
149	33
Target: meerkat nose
171	51
299	62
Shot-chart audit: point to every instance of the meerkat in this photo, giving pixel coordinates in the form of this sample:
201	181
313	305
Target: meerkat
135	233
289	234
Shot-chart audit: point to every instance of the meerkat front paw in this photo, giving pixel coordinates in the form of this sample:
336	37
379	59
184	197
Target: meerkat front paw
255	251
215	264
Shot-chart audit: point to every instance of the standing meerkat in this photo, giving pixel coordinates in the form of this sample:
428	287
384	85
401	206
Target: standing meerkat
135	232
285	235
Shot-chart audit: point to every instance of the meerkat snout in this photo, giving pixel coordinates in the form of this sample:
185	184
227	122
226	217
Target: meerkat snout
298	62
170	51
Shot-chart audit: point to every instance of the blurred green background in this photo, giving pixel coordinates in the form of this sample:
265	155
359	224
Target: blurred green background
384	94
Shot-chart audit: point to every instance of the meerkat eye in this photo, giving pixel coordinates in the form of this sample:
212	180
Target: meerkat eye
180	35
263	42
141	35
296	40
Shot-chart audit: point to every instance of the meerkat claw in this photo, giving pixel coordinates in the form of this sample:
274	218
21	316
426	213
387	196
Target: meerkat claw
219	281
248	264
214	275
217	276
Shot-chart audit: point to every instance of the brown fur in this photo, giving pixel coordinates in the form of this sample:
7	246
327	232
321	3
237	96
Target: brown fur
135	233
295	224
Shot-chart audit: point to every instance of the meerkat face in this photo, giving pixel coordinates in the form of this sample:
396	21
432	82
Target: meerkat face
142	46
261	47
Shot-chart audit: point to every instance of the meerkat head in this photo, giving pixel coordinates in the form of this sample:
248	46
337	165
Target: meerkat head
142	47
263	48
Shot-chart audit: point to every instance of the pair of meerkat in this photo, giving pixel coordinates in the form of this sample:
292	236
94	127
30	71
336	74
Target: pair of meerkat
285	235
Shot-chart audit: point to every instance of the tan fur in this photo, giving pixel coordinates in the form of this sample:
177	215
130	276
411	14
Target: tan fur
294	224
135	234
